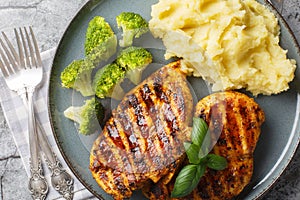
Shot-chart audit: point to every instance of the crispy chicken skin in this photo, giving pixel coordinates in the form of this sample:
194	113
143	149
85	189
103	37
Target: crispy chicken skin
234	121
142	142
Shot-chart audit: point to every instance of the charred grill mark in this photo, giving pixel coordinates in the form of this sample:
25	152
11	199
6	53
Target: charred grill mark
105	154
180	103
248	125
216	120
120	182
113	133
106	175
160	139
136	143
234	126
153	148
127	126
171	120
158	88
174	109
164	120
126	158
132	163
146	92
155	153
139	115
119	151
155	114
153	156
115	158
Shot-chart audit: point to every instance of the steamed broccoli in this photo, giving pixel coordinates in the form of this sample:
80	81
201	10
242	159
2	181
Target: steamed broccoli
88	116
101	44
107	81
98	33
133	25
77	75
134	60
103	51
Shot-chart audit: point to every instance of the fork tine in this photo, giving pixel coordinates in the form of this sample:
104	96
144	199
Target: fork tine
37	51
21	54
13	63
33	62
10	46
3	69
27	62
9	69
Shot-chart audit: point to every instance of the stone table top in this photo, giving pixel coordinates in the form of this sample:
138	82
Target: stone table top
50	18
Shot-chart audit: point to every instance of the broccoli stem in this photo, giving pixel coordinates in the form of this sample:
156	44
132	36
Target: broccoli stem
73	113
117	92
85	89
135	75
83	84
127	39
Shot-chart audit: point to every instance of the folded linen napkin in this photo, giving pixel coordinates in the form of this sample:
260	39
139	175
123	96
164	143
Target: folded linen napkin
16	117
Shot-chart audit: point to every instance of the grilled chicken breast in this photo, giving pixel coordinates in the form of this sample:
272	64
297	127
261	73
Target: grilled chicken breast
234	121
142	142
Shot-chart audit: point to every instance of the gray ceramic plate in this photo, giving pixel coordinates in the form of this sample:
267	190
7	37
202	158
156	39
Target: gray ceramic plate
280	132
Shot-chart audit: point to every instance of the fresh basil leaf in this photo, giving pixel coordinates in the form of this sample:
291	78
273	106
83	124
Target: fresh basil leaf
187	179
206	144
199	131
216	162
192	152
201	153
186	145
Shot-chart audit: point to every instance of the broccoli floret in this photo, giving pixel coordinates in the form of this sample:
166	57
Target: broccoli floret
98	33
107	81
103	51
77	75
134	60
88	116
133	25
101	44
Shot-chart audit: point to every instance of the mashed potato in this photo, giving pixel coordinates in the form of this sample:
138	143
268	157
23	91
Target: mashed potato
232	44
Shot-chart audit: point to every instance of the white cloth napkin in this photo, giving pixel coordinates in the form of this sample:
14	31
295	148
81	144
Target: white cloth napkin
16	117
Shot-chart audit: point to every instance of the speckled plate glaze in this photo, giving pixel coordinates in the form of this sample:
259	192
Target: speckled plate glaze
280	132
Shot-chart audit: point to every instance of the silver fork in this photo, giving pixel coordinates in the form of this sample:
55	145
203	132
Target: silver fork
23	74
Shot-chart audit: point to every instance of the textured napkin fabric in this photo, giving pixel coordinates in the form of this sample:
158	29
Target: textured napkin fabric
16	117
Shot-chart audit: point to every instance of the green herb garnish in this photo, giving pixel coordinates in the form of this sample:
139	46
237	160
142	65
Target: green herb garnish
199	159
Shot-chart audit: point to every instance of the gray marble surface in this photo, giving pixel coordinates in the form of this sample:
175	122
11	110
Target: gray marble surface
49	19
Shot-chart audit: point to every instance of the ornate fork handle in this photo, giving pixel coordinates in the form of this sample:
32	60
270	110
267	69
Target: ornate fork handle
38	186
60	179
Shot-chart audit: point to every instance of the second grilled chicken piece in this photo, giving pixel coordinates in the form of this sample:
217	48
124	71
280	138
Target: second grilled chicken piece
142	142
234	121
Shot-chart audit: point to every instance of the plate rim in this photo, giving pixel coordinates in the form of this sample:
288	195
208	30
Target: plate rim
51	120
297	144
92	3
